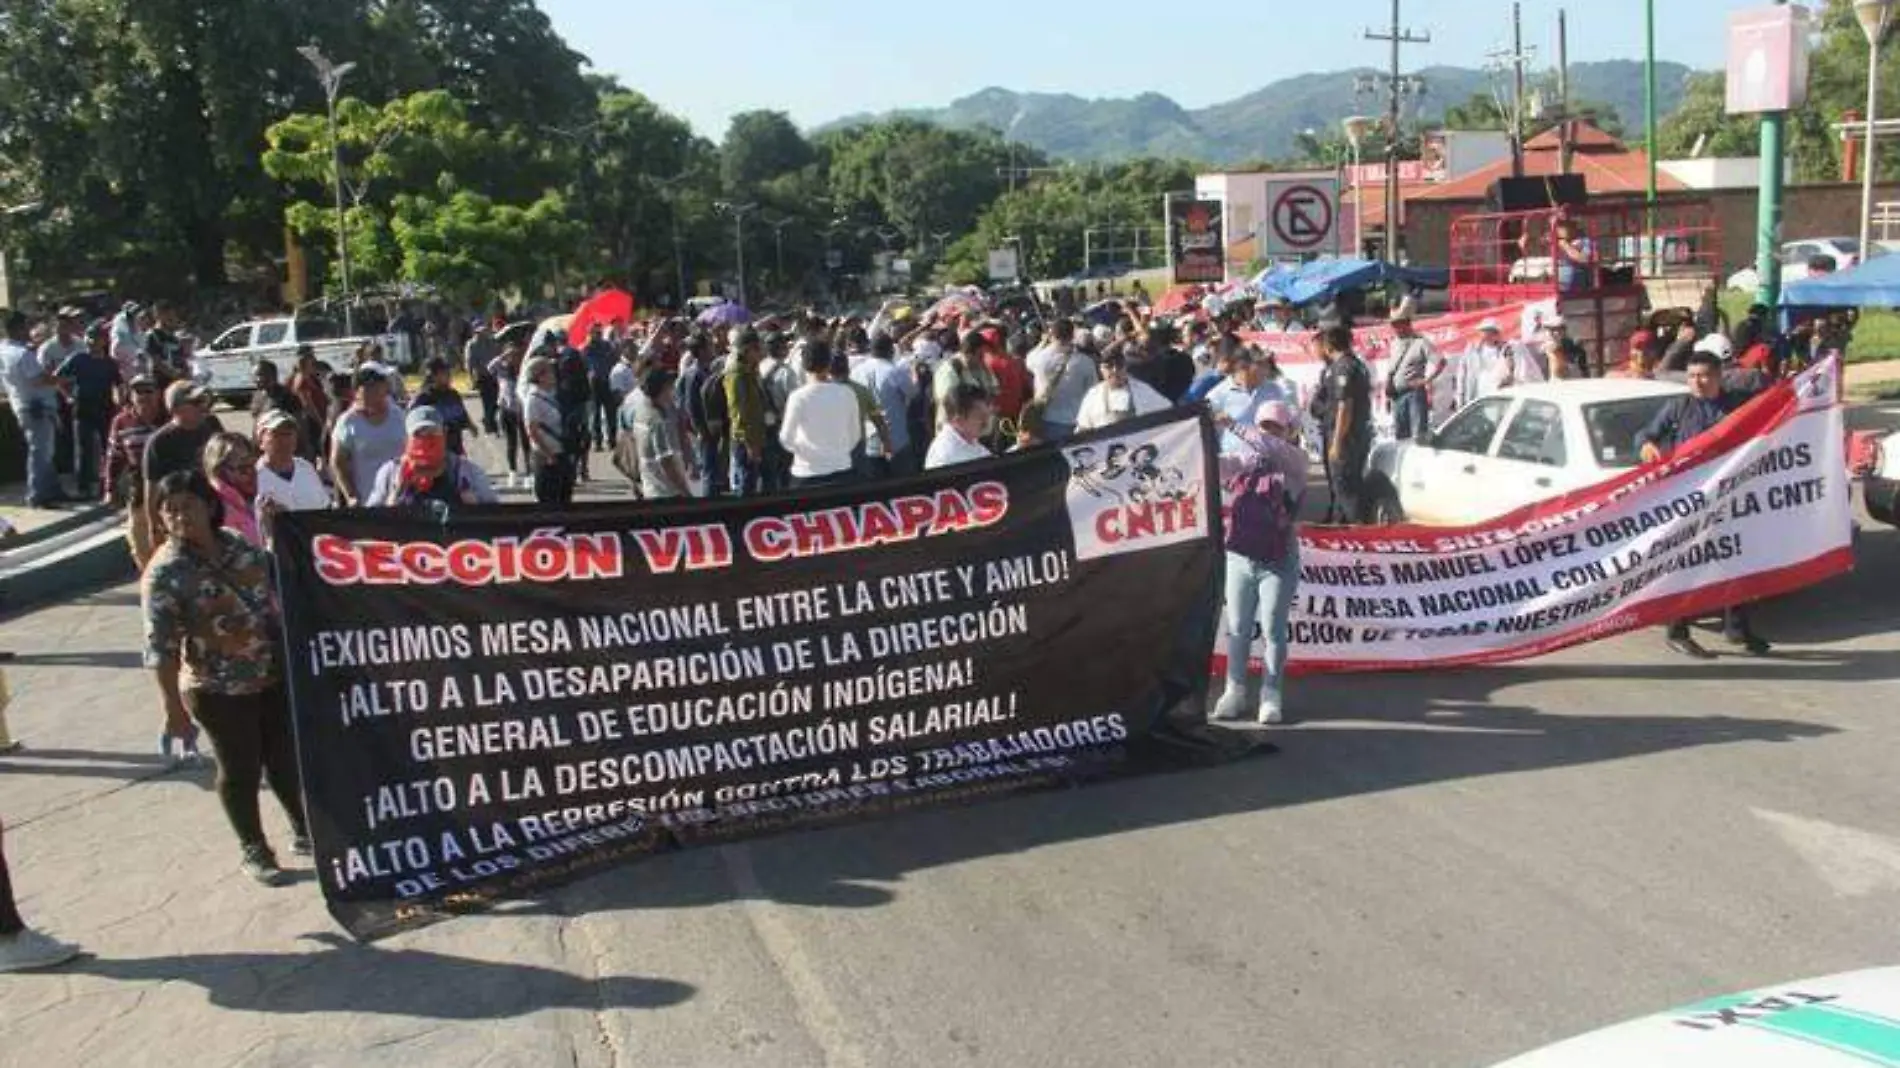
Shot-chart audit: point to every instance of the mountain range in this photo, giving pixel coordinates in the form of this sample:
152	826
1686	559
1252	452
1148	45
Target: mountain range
1261	125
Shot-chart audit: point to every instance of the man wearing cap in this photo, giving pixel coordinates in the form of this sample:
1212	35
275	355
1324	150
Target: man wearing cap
286	482
1415	366
91	379
131	430
179	445
554	466
428	471
438	391
1565	358
368	436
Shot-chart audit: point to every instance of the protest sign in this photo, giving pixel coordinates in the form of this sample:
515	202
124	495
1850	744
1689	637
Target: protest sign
1757	507
492	701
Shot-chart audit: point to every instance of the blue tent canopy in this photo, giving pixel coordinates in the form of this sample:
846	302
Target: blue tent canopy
1874	284
1322	280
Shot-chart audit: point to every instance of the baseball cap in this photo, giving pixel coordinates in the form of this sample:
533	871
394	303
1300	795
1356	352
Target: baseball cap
1490	326
370	374
424	418
71	312
1277	412
184	393
534	368
1718	346
276	419
142	383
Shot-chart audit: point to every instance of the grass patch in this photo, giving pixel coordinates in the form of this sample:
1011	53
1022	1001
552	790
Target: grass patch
1876	339
1876	392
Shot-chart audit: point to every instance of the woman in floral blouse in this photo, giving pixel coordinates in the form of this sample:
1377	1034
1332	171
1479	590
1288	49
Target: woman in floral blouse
211	634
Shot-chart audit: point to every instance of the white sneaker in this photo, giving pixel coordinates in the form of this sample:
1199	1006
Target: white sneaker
1270	714
1232	705
30	949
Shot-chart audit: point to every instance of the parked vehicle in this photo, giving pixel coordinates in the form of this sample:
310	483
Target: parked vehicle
1881	488
226	367
1515	448
1795	256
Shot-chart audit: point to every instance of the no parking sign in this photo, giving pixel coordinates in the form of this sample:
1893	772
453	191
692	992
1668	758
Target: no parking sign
1302	218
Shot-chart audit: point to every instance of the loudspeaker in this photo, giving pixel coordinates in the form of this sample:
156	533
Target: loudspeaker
1532	194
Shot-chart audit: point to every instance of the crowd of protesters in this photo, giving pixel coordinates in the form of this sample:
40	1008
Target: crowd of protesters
791	404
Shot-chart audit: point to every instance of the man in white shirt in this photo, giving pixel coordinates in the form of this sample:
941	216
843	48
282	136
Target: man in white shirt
1488	367
1064	375
960	441
286	482
822	424
1118	398
34	393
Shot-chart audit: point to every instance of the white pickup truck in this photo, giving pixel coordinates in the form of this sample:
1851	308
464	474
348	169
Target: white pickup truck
226	367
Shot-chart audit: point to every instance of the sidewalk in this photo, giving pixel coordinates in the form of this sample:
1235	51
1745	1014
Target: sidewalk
1864	375
192	963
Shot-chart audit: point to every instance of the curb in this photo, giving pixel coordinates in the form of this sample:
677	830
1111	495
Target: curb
85	554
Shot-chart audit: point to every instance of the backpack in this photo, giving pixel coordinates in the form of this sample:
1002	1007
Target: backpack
1261	519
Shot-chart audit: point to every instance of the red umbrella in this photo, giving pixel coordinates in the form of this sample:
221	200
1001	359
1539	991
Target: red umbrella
1177	300
609	307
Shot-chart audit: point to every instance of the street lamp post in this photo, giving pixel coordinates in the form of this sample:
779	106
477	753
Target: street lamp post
1356	128
778	245
332	75
1876	20
738	213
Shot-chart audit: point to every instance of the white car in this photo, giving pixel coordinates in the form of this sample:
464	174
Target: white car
228	366
1795	255
1881	488
1514	448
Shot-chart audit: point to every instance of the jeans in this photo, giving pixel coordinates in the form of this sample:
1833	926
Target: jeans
744	473
603	412
775	475
41	429
514	435
250	733
712	453
1412	414
1260	593
89	442
490	390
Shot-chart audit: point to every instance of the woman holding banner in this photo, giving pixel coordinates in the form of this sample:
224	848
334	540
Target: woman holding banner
1264	488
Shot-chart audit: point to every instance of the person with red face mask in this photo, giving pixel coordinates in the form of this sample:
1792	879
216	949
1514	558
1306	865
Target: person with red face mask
427	471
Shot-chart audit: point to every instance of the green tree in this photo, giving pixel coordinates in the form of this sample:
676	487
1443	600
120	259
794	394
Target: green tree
1704	113
759	146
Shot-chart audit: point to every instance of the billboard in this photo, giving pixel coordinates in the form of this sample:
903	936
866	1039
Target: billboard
1767	59
1197	244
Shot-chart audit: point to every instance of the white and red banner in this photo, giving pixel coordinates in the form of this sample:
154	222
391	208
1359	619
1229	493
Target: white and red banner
1758	507
1452	335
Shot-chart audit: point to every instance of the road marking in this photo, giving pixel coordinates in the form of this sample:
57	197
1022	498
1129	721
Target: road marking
816	1009
1854	863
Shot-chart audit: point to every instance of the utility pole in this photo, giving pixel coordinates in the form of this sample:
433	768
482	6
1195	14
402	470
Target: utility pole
738	213
1513	61
1564	131
1399	37
1649	105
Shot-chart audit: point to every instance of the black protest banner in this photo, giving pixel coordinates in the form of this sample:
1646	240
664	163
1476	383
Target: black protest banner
491	702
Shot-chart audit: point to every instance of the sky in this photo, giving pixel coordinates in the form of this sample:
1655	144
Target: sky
821	60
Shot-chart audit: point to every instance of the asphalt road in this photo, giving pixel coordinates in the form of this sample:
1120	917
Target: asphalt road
1436	870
